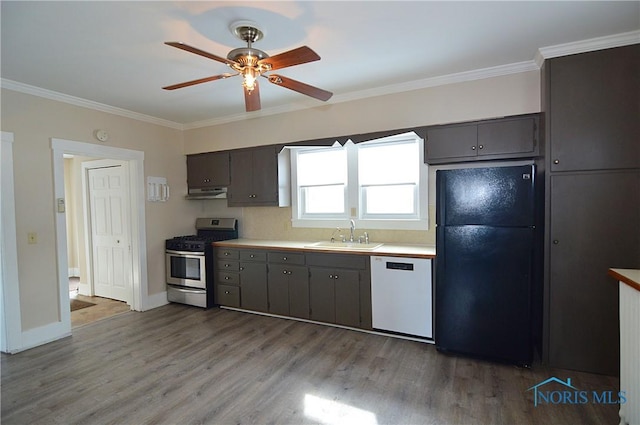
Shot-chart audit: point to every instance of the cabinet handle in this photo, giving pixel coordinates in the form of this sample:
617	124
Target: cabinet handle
473	148
330	276
227	292
284	272
227	265
556	242
289	273
480	146
253	196
335	277
556	161
226	254
226	278
252	256
241	268
284	258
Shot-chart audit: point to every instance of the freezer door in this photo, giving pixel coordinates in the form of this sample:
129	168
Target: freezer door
483	292
497	196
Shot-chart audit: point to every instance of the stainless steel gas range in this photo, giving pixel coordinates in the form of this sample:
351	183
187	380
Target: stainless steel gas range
189	261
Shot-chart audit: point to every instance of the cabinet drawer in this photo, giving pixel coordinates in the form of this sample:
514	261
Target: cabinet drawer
285	257
232	254
228	278
222	265
228	295
253	255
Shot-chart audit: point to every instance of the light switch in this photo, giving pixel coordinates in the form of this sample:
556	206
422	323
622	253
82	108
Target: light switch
32	238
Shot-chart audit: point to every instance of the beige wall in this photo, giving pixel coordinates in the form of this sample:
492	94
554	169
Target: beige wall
488	98
34	121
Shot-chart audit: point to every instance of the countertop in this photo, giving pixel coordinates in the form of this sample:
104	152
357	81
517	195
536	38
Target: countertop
629	276
390	249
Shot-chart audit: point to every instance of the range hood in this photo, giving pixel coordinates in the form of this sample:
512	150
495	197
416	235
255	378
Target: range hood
208	193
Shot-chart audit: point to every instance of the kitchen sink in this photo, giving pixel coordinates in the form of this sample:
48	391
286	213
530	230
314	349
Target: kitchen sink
347	246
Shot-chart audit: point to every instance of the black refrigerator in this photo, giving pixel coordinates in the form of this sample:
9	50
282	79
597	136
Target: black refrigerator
487	263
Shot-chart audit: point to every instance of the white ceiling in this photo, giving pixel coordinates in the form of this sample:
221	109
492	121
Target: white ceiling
112	54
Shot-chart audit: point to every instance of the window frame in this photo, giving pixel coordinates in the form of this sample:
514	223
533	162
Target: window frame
419	221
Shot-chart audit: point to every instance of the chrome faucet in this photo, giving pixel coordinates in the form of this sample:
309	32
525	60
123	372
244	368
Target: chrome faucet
353	227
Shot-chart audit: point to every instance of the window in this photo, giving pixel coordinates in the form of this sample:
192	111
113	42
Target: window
381	184
322	183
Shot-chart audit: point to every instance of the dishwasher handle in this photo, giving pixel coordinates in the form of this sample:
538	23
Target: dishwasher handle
399	266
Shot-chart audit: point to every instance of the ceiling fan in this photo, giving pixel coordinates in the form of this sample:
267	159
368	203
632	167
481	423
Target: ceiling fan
252	63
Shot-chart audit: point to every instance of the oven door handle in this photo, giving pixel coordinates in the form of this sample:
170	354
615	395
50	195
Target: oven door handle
193	254
189	291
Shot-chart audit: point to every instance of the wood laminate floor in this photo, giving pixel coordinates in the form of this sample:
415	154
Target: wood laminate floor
183	365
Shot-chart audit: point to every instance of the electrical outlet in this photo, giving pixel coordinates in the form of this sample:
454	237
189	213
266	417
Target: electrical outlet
32	237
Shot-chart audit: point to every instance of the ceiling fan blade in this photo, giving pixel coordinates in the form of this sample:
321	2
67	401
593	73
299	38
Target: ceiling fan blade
290	58
252	99
303	88
197	51
198	81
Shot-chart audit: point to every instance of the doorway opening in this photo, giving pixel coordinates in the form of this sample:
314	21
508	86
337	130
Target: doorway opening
135	248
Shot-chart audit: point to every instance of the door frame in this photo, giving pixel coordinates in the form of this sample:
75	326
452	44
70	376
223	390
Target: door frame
88	224
135	159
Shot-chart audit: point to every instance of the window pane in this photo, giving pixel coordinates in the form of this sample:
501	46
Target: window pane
398	199
323	199
389	163
322	167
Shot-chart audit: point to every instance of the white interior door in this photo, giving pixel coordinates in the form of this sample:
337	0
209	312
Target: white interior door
111	245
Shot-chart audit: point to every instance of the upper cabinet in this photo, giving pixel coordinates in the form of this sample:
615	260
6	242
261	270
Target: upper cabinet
504	138
208	170
259	177
593	109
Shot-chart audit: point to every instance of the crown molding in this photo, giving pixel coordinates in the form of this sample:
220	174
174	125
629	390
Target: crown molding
592	44
84	103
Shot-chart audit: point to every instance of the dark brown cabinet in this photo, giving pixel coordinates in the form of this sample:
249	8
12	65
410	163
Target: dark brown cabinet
593	110
595	225
241	278
288	284
592	191
504	138
253	280
207	170
257	179
338	285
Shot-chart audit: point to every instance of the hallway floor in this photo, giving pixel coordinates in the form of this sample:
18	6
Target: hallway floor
103	308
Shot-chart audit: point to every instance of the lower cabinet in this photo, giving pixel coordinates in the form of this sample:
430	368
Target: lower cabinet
288	290
340	289
325	287
253	280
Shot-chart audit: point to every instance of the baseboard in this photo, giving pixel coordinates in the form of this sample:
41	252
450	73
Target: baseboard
155	301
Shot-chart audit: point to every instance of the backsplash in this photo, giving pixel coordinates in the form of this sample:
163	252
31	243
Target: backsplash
275	223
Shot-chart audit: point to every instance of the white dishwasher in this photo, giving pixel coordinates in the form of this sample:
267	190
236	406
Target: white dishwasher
401	296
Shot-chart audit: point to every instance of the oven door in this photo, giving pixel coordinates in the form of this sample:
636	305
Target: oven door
186	269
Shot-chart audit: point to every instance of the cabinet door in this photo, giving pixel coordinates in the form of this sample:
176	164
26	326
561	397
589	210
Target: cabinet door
322	294
253	286
265	176
516	136
208	170
241	187
593	110
451	142
347	292
594	226
278	283
298	291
